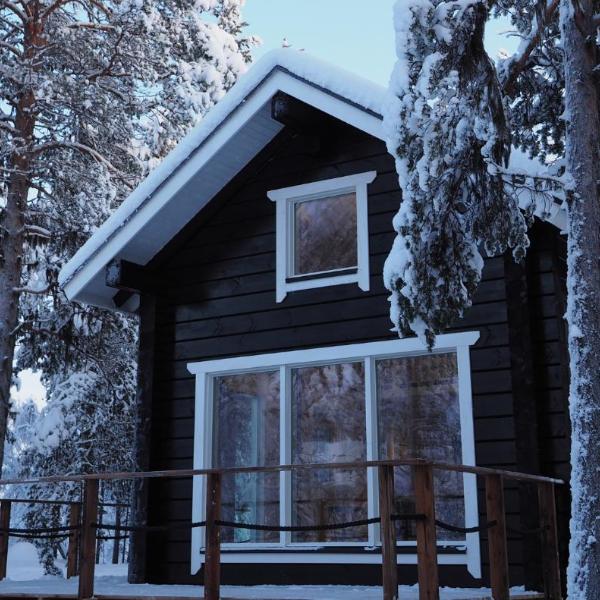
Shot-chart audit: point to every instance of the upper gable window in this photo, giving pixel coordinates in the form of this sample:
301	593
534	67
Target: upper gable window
322	234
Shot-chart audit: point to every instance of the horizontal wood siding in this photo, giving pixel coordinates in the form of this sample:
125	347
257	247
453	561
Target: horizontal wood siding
547	281
218	300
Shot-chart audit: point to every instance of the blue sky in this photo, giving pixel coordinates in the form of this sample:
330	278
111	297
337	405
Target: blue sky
355	34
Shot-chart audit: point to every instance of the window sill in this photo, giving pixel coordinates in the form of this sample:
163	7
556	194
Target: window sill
320	555
323	280
323	275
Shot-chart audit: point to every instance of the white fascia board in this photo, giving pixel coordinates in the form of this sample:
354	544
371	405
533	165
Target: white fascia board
335	106
75	288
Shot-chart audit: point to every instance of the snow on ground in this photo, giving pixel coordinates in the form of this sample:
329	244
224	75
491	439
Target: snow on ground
25	577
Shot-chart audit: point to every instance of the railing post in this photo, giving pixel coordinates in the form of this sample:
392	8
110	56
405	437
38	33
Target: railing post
5	506
388	532
117	540
426	535
73	545
494	500
550	561
87	557
212	556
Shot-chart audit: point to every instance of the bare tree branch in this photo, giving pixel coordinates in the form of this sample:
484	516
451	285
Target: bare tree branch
11	48
518	62
52	8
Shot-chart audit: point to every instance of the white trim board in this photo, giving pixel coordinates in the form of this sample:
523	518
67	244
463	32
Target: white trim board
286	199
285	361
344	352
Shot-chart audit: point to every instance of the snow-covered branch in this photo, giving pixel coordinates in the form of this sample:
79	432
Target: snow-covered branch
513	172
38	231
515	65
12	7
11	48
5	127
89	25
80	148
35	291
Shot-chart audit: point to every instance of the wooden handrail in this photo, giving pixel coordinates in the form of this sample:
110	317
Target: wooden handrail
512	475
61	502
427	564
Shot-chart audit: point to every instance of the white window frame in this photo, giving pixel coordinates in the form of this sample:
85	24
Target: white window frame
286	198
467	550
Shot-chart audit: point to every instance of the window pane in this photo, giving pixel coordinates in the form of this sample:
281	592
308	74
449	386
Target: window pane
325	234
328	425
419	417
246	434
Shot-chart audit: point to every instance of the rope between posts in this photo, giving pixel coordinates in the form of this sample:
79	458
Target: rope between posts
42	532
48	536
457	529
330	526
289	528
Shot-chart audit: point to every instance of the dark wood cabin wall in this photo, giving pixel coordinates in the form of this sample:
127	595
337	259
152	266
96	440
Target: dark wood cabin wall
546	265
218	300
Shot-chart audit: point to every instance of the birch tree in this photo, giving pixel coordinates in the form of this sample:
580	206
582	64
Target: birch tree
451	120
92	95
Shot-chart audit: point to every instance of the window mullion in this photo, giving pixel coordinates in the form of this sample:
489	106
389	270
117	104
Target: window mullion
372	447
285	452
468	457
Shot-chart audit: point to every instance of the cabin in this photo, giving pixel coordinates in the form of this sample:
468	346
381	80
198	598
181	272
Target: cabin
253	256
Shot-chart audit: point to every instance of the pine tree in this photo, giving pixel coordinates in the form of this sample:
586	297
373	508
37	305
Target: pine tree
451	120
92	95
579	23
84	428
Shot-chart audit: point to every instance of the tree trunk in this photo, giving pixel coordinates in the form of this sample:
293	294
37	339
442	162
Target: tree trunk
583	310
12	240
12	226
11	252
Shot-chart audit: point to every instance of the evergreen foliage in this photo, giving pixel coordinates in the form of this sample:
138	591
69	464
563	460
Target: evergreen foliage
450	125
451	119
93	94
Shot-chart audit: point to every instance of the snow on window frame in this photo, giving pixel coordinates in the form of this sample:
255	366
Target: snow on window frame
467	551
286	198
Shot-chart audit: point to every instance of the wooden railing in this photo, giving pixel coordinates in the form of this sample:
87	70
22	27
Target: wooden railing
425	521
70	531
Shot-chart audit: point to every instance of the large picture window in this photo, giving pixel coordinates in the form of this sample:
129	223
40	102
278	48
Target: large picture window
380	400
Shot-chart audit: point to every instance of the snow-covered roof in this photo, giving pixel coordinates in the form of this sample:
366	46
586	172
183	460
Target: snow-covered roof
226	139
